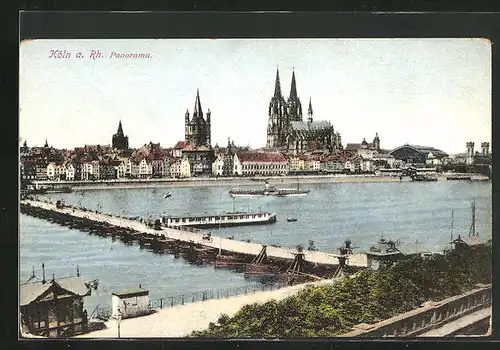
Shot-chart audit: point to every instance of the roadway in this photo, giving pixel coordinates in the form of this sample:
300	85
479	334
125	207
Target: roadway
182	320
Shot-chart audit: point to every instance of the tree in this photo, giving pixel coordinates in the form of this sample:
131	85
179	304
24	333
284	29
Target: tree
365	297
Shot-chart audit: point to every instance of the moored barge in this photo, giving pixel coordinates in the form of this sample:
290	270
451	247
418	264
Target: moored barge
220	220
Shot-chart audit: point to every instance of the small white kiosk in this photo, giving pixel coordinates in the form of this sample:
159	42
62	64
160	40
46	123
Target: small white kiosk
130	303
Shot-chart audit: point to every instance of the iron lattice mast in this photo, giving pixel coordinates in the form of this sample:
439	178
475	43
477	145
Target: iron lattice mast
451	231
472	231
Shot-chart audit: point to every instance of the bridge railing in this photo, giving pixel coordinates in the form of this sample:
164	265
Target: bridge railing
105	313
428	317
209	294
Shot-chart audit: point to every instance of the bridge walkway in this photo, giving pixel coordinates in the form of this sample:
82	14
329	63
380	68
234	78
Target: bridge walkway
196	236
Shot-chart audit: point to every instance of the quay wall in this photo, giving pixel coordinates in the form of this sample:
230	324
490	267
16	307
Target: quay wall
213	182
191	317
217	242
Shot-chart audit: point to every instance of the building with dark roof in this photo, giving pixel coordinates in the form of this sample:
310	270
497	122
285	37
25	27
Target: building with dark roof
311	135
387	251
462	243
416	154
260	163
53	308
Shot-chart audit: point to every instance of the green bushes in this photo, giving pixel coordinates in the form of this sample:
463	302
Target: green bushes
367	297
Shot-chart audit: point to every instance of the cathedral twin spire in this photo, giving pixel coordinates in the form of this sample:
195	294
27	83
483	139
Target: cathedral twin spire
287	131
277	86
282	113
293	88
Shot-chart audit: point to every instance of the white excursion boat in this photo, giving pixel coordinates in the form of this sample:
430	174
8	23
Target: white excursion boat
220	220
268	191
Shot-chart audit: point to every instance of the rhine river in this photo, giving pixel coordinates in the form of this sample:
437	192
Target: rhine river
415	213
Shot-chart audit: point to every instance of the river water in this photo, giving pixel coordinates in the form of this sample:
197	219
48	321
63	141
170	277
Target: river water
413	212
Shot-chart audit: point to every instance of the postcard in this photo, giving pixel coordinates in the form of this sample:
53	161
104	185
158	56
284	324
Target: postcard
255	188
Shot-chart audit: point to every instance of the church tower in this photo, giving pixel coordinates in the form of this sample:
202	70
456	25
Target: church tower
119	140
278	117
310	112
209	128
470	153
485	148
376	142
197	130
294	105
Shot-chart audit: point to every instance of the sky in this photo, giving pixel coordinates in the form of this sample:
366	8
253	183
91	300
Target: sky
433	92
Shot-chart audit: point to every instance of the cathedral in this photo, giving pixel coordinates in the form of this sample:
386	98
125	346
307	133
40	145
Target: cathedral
197	129
288	132
120	141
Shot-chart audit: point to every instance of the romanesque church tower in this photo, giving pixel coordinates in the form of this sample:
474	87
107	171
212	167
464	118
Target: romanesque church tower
197	129
120	141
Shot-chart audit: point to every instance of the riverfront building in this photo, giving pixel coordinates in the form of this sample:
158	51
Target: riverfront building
53	308
478	158
223	164
180	168
34	161
260	163
365	149
473	160
200	159
150	161
413	154
286	130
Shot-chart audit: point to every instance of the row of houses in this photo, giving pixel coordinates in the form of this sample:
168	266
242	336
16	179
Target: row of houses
187	160
106	168
244	163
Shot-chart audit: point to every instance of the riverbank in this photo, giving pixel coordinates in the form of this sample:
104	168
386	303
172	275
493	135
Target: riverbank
233	181
213	182
190	317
